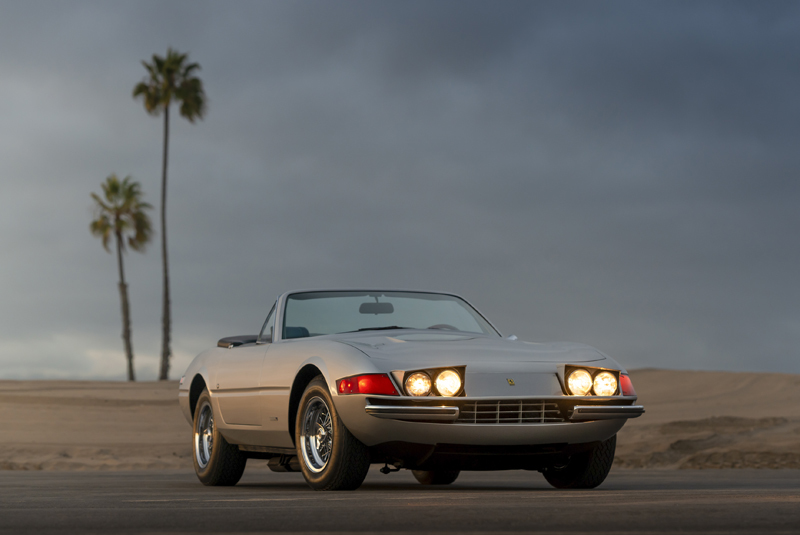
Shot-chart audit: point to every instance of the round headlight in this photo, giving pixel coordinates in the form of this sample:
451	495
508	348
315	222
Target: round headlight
605	384
579	382
418	384
448	383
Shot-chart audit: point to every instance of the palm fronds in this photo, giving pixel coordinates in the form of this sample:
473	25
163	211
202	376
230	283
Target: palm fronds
121	211
170	78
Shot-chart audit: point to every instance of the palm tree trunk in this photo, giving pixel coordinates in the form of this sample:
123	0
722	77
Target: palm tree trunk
126	314
165	321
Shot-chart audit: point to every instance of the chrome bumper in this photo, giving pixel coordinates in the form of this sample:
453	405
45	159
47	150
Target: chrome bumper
379	420
605	412
412	413
449	414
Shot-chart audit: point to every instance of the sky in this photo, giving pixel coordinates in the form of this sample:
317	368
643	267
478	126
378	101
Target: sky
621	174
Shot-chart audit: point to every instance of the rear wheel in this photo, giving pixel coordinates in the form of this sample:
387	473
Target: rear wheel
330	457
216	462
584	470
436	477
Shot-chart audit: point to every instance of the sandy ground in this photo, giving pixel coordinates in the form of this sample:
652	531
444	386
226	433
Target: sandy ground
77	425
713	420
693	420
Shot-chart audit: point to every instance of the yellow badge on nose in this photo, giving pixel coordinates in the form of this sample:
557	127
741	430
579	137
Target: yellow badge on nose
510	382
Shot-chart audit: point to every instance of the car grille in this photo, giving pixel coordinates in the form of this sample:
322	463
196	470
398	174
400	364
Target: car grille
505	411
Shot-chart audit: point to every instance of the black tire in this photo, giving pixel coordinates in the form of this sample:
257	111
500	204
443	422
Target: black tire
585	470
436	477
330	457
224	464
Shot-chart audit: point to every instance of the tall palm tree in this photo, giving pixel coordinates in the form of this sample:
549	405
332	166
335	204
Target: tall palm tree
121	213
169	78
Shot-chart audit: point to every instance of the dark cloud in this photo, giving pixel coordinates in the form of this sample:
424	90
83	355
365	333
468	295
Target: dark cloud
621	174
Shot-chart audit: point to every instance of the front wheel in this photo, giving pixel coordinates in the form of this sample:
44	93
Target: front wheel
330	457
584	470
436	477
216	462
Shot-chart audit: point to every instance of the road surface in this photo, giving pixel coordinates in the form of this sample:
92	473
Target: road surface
630	501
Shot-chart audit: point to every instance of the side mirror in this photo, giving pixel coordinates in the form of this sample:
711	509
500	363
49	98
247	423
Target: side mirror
512	338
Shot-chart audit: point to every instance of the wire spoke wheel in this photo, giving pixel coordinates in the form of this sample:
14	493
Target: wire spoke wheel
331	458
204	436
216	462
316	434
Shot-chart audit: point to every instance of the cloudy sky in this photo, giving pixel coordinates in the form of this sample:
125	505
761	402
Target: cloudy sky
623	174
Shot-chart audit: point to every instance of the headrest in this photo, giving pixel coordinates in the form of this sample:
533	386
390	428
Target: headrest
296	332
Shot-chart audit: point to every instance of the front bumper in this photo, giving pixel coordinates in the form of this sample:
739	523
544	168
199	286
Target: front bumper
426	414
451	414
485	422
605	412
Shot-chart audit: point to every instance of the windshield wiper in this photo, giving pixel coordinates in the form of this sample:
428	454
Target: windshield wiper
389	328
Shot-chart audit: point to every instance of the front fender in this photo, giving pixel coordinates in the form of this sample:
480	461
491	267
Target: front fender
334	362
188	388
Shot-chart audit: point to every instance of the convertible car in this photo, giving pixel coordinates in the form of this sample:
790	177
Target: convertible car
340	379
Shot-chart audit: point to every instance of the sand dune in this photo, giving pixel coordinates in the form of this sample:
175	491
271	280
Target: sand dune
713	420
71	425
693	420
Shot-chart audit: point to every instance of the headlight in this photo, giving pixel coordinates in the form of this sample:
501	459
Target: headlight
579	383
605	384
448	383
418	384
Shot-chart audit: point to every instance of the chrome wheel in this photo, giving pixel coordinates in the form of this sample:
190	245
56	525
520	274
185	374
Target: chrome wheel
316	434
204	435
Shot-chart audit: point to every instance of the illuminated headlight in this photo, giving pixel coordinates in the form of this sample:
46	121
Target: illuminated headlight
448	383
418	384
579	382
605	384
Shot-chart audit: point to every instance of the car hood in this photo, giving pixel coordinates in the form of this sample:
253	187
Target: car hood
477	352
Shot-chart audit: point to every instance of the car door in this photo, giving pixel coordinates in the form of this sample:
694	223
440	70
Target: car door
277	375
237	381
237	385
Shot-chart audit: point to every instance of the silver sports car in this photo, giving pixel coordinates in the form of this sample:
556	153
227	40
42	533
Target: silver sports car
340	379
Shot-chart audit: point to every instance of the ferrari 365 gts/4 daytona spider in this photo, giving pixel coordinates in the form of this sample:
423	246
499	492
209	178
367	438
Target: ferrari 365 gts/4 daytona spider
340	379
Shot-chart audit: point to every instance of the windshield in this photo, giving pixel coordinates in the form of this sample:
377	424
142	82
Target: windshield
320	313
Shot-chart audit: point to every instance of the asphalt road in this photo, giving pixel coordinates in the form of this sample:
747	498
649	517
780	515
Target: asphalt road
635	501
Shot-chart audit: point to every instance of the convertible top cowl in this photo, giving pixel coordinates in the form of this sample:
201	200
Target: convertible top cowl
233	341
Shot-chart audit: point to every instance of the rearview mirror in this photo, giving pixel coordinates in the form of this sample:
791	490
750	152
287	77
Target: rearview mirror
376	308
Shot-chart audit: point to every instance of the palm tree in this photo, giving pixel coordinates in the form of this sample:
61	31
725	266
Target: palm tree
169	79
121	213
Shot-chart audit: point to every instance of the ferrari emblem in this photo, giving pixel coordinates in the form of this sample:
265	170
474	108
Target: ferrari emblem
510	382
